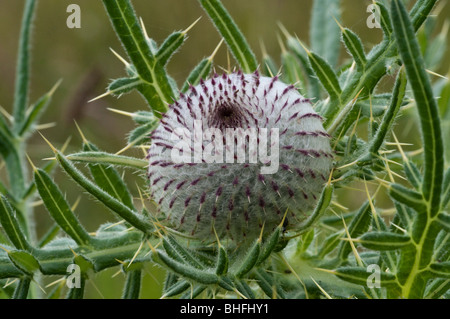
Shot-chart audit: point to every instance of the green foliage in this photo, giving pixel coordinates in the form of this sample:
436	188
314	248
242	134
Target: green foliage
334	247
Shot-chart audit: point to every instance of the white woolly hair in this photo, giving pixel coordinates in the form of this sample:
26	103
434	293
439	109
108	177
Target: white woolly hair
236	199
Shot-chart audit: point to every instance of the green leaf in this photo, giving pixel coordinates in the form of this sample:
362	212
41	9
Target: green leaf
249	260
222	262
230	32
11	226
408	197
186	271
124	85
326	75
444	220
354	47
23	65
97	157
156	90
446	190
109	179
59	209
389	117
384	240
35	111
177	288
141	134
244	289
319	210
201	71
359	276
269	245
143	117
426	104
385	20
441	270
324	32
437	288
170	46
132	287
116	206
22	289
24	261
176	251
49	235
268	285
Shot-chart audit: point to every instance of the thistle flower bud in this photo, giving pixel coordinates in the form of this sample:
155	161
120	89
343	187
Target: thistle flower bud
234	154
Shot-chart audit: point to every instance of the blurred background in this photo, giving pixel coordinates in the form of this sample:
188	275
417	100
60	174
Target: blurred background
82	59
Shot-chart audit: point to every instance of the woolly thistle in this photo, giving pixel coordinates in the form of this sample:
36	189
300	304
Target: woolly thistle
236	199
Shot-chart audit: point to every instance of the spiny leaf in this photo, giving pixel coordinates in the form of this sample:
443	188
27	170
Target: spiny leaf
384	240
157	89
360	276
11	226
408	197
426	104
33	114
24	261
326	75
186	271
124	85
23	65
97	157
355	47
59	209
132	287
232	35
118	207
109	179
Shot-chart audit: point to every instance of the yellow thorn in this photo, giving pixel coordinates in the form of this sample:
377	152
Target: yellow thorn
238	293
262	231
347	165
372	207
100	96
152	248
6	114
119	261
339	205
121	112
144	30
75	205
340	26
49	144
284	217
191	26
284	30
115	224
55	87
7	251
326	270
355	252
31	163
55	282
281	44
9	283
45	126
116	273
120	58
136	254
295	274
85	141
321	289
73	251
437	74
211	57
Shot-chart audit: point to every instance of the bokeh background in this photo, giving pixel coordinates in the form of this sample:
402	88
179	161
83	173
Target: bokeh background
81	57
